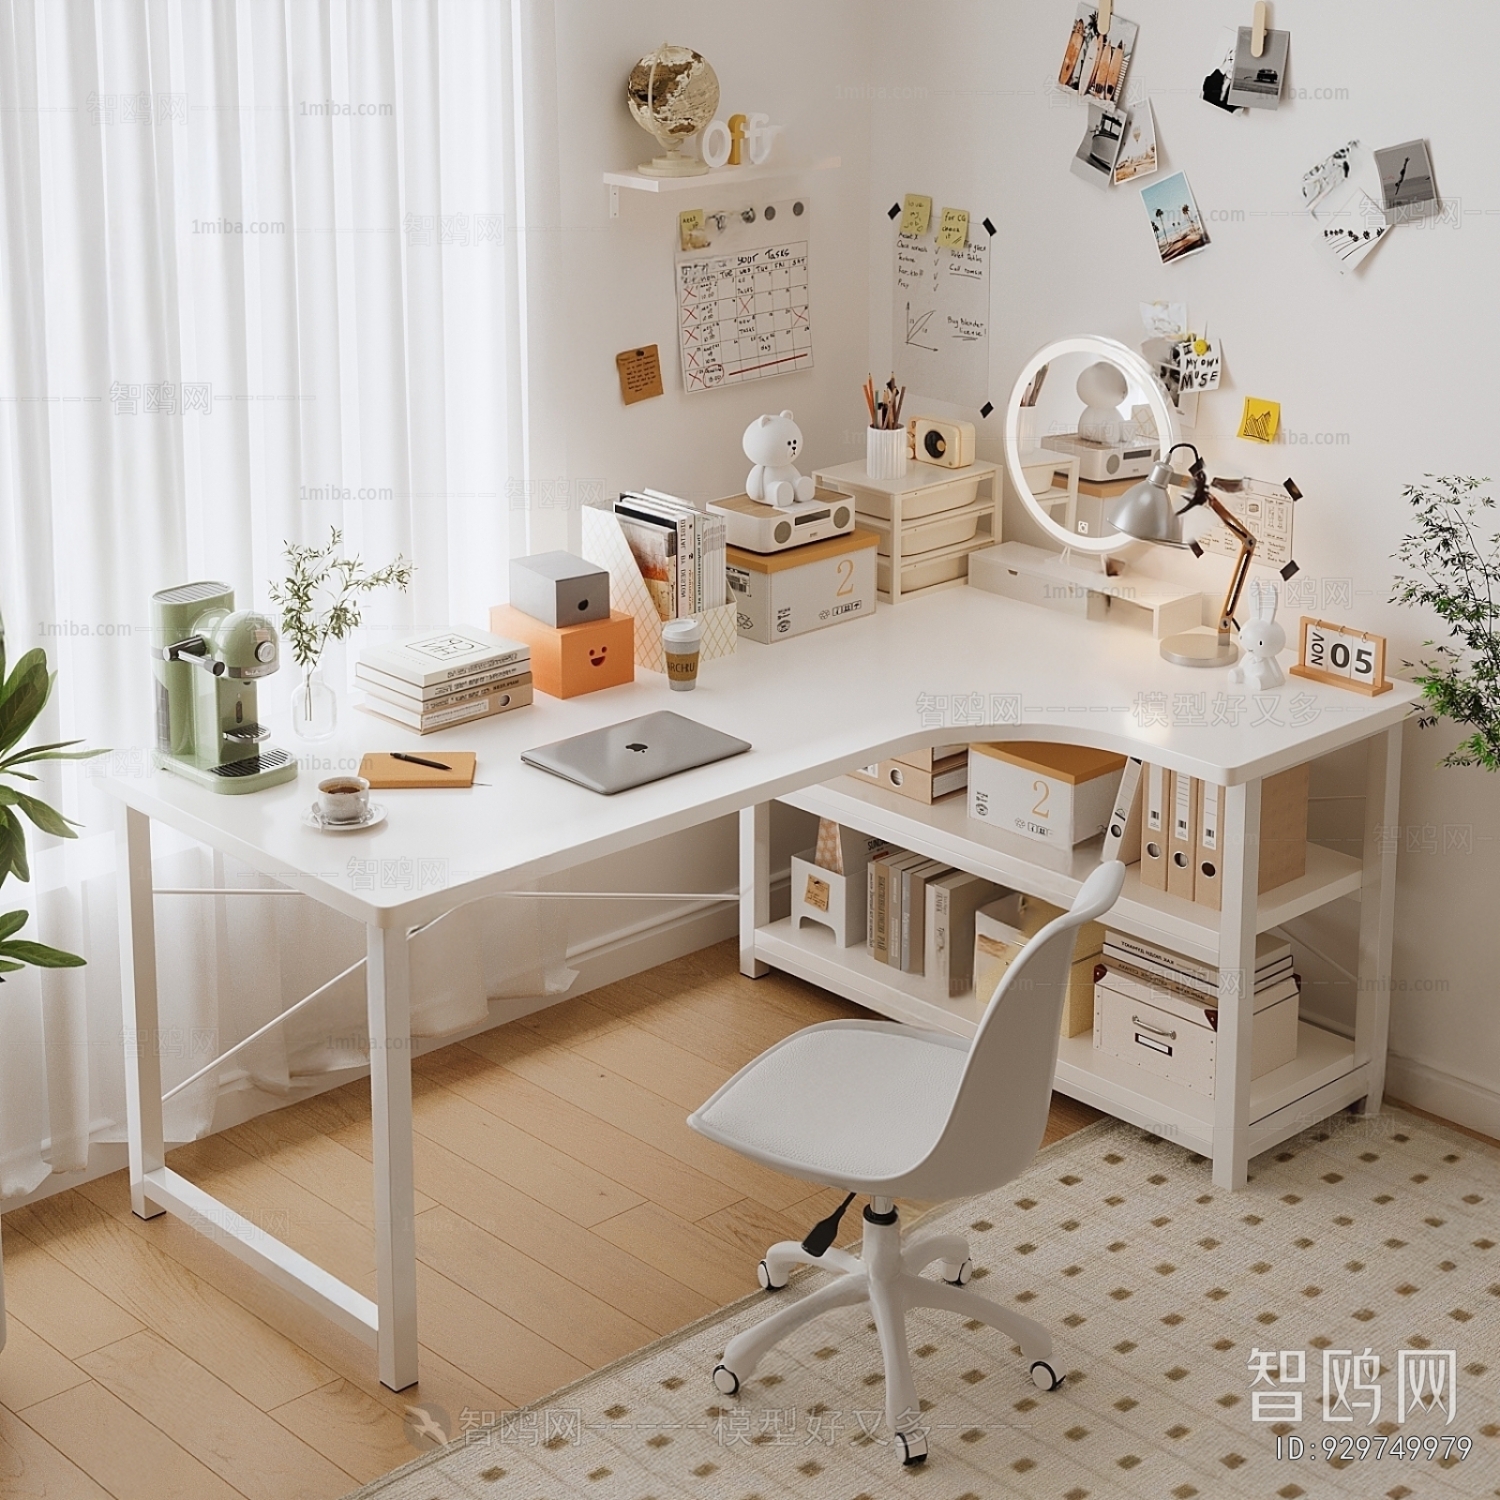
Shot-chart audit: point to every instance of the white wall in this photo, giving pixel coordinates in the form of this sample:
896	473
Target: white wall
612	280
1383	374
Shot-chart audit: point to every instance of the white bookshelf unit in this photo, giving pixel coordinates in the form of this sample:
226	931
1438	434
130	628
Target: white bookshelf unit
1245	1117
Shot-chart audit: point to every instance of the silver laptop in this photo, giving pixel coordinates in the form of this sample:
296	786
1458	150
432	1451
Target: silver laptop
621	756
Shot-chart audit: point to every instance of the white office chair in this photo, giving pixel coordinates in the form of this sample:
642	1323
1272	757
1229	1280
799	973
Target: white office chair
887	1110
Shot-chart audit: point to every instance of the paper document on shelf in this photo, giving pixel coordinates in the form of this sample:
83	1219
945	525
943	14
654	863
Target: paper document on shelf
941	319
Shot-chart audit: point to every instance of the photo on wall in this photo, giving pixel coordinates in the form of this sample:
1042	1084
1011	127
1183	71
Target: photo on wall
1321	182
1138	156
1255	82
1100	147
1175	220
1094	66
1352	228
1407	188
1220	78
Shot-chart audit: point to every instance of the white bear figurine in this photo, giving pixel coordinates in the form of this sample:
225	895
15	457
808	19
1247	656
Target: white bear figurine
771	444
1102	388
1262	638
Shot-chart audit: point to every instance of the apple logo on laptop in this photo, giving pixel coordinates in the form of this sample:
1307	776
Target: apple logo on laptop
639	748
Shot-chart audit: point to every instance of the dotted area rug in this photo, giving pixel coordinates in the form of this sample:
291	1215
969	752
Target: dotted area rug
1211	1341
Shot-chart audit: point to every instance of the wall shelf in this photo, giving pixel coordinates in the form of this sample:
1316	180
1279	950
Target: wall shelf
712	180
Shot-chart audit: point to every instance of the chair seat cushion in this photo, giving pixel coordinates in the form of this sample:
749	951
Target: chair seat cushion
848	1103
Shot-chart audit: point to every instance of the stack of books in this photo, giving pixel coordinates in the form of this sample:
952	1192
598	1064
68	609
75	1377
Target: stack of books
1146	971
445	677
920	916
679	550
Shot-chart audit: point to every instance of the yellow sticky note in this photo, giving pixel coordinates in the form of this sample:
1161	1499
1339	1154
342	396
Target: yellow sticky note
954	229
690	223
1260	420
916	213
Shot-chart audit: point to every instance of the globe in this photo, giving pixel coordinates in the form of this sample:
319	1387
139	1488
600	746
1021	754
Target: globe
672	94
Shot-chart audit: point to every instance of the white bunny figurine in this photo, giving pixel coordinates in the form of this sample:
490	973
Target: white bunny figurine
1262	638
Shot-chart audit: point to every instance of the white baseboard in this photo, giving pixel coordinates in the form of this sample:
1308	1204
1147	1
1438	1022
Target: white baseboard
1464	1101
604	959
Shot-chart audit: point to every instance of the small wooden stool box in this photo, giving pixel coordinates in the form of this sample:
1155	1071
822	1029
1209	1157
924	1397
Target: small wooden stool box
568	660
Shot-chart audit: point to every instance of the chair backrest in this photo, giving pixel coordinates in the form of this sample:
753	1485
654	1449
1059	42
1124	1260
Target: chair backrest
999	1113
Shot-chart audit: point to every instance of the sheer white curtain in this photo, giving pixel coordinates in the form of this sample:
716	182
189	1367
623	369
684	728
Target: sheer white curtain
258	276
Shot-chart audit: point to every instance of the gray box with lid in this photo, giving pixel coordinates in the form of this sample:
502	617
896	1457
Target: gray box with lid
558	588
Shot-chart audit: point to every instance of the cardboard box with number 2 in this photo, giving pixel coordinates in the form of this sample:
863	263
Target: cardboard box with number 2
782	594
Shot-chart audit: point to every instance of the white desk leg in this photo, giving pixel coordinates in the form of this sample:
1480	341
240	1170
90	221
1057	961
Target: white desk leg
141	1028
388	973
1241	846
755	883
1377	912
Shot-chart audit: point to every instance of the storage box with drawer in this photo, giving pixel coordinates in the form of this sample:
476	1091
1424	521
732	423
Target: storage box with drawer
1056	794
568	660
1004	926
1176	1037
921	782
782	594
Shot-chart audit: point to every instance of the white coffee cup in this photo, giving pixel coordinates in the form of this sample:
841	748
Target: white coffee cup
344	799
681	643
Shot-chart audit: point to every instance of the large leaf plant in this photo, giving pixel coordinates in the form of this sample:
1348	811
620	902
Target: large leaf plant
23	696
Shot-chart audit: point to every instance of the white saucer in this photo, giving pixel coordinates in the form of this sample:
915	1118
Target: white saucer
312	818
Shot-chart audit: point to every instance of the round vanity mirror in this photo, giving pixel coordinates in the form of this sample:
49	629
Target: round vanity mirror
1096	404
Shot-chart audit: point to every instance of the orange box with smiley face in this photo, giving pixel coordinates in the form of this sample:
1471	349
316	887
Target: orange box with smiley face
571	659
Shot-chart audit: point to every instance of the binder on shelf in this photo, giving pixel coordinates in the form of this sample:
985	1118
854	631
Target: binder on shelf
1182	835
1122	834
1154	828
1208	858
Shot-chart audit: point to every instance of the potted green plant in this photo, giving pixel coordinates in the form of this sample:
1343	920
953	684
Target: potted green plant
1452	566
23	696
320	601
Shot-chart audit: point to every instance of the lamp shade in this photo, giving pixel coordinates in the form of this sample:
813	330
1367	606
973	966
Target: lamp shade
1145	511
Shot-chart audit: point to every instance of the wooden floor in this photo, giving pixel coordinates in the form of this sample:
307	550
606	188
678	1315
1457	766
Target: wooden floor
565	1216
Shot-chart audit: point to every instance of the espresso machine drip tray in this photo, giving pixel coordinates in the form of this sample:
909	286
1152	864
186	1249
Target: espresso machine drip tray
251	765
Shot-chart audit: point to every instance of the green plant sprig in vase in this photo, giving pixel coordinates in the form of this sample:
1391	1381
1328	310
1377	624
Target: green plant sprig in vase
23	696
1452	563
320	576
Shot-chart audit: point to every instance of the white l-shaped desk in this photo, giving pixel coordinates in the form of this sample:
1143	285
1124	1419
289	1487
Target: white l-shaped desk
953	665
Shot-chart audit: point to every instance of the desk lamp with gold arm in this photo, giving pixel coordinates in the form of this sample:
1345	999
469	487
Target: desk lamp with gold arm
1145	512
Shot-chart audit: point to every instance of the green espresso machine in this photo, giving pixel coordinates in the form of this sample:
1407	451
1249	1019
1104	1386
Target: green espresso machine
208	658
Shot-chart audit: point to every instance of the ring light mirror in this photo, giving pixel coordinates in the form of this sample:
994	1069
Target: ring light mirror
1082	393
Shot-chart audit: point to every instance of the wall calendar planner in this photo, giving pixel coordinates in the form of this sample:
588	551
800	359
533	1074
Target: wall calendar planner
742	306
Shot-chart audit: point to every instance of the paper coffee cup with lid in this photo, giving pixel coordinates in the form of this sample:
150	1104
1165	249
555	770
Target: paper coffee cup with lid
682	641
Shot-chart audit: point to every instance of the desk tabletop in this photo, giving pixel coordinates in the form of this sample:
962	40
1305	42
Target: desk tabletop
948	666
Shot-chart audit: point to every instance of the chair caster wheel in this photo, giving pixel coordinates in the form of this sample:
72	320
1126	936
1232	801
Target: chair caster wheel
763	1275
726	1381
962	1277
1044	1377
912	1447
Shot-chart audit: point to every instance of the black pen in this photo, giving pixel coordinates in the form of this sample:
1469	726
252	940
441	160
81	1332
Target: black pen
416	760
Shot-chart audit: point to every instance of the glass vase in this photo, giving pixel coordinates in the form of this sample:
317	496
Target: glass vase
315	706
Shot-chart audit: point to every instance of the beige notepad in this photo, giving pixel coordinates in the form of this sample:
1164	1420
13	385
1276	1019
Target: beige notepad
387	773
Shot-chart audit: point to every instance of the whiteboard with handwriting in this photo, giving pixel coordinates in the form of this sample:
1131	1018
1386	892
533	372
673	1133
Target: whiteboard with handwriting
941	332
743	310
